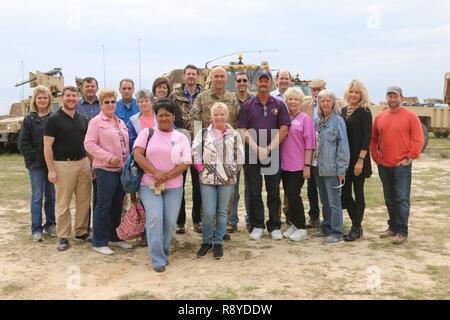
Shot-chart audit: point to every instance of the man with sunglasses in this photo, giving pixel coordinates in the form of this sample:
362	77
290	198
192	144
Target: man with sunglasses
264	121
241	84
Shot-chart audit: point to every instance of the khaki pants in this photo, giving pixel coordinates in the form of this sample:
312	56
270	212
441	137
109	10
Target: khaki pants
72	176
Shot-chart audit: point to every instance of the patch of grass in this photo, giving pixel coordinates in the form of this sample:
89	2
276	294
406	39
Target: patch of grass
138	295
441	278
444	155
249	289
224	294
411	255
416	294
12	287
381	244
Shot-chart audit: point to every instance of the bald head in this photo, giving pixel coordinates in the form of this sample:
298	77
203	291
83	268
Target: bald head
219	78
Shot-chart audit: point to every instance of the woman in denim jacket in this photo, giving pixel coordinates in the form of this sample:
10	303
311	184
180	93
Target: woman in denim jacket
330	162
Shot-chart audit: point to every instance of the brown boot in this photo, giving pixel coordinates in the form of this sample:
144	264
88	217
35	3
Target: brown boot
399	239
388	233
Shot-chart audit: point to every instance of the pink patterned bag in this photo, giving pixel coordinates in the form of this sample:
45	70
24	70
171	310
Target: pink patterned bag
133	222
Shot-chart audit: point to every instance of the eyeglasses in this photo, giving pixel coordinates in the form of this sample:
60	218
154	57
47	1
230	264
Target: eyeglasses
109	102
265	111
241	80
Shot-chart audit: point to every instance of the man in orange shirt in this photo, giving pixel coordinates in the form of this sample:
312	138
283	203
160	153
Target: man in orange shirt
397	140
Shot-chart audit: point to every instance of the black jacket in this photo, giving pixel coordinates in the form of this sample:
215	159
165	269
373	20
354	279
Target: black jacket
359	130
31	140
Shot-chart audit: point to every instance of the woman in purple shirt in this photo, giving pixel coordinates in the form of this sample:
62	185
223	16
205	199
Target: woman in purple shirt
296	154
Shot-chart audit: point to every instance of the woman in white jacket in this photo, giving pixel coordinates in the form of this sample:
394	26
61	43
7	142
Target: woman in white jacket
218	155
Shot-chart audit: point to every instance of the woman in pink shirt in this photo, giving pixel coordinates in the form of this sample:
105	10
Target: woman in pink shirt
164	159
106	142
296	154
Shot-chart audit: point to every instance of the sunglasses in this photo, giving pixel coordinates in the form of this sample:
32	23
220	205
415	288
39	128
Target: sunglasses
241	80
109	102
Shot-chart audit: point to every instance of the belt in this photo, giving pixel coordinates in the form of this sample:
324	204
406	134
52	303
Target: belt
70	158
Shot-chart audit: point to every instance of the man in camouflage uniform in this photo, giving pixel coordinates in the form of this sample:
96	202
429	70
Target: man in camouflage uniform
201	110
184	96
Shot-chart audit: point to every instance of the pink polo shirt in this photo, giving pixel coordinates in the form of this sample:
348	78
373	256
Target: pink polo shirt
301	137
105	139
165	151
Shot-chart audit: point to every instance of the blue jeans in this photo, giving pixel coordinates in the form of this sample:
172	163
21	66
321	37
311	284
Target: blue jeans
161	213
108	210
215	211
397	189
331	204
234	216
40	187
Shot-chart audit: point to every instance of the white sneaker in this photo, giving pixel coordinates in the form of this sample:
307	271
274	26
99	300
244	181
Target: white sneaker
121	244
257	234
37	237
276	235
104	250
289	231
299	235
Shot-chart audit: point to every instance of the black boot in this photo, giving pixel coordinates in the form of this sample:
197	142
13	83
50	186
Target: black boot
353	234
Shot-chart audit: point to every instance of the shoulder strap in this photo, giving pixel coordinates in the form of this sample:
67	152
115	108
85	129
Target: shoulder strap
150	134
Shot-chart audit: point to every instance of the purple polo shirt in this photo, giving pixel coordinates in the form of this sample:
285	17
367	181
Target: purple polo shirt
253	116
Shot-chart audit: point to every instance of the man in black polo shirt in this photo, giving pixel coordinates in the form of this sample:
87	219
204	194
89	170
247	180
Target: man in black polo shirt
68	167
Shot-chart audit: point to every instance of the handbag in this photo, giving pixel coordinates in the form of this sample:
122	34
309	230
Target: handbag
133	222
132	174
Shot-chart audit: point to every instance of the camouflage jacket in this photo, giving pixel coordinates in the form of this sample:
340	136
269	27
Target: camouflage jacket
182	119
201	110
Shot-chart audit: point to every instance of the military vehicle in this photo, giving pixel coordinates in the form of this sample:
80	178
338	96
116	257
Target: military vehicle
11	124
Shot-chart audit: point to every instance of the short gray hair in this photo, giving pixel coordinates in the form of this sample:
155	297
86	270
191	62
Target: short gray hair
329	94
144	93
294	92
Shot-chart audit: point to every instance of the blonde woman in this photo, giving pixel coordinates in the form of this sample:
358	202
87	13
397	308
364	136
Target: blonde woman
358	120
296	157
31	145
218	154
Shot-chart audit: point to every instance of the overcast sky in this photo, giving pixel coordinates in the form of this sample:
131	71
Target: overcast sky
379	42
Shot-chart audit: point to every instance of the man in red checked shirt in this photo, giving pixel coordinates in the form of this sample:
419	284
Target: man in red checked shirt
397	140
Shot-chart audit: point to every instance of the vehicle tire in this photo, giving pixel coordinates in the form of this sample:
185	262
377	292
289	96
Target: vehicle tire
425	137
446	134
437	134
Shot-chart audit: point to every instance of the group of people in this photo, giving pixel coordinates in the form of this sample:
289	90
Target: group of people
279	136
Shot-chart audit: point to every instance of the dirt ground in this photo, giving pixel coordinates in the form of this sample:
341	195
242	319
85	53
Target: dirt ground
371	268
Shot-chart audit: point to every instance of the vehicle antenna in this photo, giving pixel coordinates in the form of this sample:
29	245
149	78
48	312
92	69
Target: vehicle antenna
234	53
